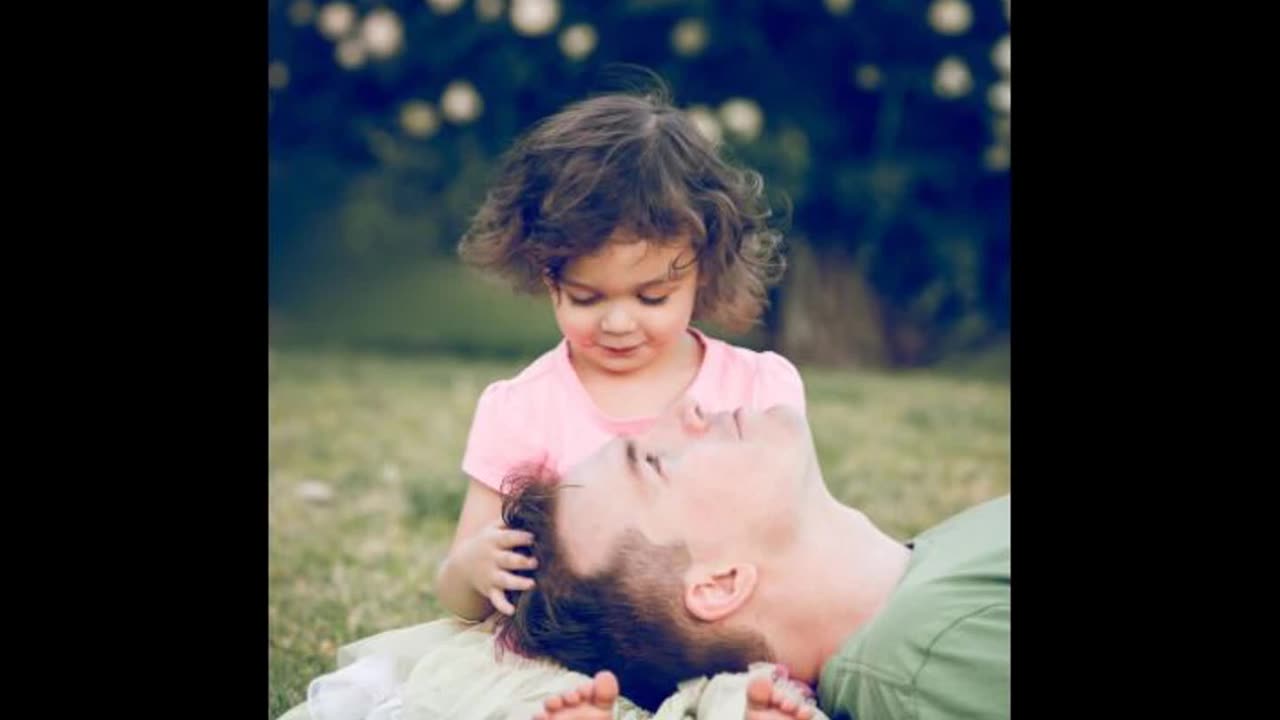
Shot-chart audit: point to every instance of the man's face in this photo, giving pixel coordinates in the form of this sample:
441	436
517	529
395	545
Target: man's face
726	486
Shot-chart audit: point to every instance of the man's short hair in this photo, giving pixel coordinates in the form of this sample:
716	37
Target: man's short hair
629	617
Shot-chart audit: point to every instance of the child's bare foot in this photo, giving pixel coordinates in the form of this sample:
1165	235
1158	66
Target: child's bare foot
589	701
764	702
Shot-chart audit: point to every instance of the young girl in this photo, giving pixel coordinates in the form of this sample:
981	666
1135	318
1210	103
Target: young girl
625	215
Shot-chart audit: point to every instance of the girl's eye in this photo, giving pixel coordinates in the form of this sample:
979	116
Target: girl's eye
583	301
653	301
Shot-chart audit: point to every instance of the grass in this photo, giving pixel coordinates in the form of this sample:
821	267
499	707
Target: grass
385	433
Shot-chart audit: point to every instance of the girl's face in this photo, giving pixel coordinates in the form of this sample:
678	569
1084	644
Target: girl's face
627	305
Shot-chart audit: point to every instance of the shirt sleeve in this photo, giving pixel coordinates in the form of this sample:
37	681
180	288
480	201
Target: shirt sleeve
500	441
966	673
778	383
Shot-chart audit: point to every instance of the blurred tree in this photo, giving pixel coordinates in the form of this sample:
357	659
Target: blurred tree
881	126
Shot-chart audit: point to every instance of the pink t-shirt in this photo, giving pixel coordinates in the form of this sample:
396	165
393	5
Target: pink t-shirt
544	415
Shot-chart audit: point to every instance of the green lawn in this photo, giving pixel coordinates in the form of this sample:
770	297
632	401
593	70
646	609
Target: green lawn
384	434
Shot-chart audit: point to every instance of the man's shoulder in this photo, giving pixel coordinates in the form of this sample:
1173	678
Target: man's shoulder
921	654
944	628
958	568
987	522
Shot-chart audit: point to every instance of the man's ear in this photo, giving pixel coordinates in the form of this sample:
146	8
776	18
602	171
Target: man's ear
713	594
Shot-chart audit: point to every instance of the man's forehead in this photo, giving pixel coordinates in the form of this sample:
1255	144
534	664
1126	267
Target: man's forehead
592	509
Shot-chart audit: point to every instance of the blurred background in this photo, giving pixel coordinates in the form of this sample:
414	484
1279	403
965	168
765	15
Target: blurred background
881	128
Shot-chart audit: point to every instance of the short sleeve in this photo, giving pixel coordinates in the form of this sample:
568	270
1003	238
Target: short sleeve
499	442
778	383
851	690
967	670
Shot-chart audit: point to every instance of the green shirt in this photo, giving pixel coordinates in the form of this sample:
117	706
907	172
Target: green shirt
939	648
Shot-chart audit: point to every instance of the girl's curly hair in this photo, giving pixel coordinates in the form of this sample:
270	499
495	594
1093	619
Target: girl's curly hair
636	163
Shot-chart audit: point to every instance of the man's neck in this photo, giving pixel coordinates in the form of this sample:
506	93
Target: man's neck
841	573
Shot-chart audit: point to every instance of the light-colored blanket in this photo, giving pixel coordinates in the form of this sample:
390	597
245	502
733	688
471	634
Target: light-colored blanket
447	669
